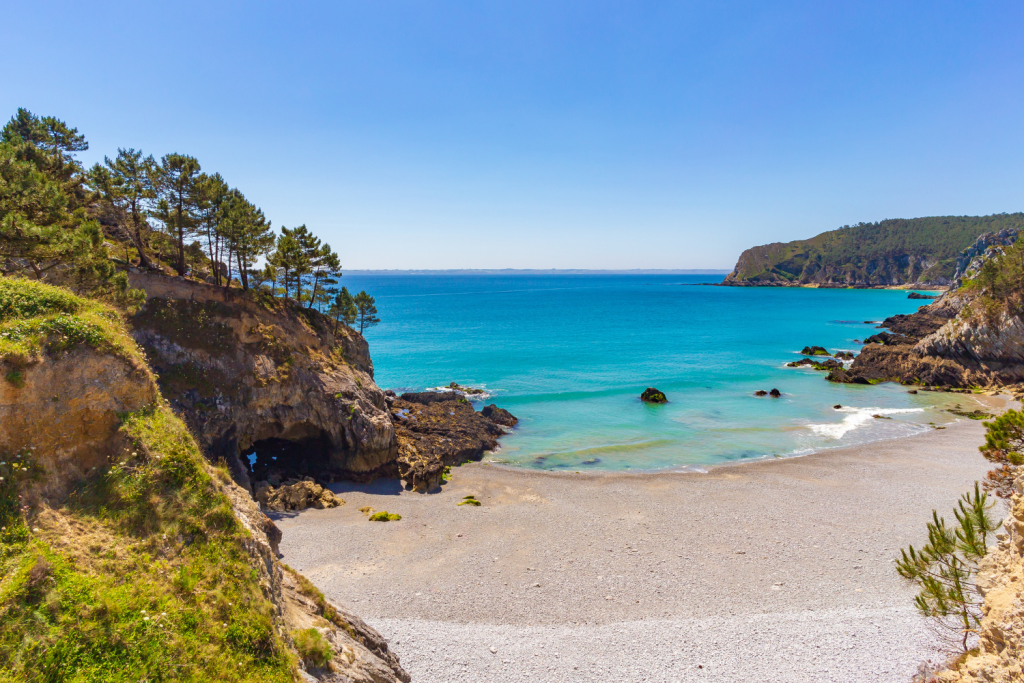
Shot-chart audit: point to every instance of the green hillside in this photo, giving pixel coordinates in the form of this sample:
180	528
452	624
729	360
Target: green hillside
889	252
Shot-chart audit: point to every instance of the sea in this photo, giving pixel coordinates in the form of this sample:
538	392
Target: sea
569	355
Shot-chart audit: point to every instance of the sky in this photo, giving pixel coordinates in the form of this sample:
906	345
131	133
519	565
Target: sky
548	134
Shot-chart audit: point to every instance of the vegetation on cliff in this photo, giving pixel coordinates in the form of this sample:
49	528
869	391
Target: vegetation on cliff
84	228
896	251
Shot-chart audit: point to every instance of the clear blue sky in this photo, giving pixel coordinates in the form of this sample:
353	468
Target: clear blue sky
549	134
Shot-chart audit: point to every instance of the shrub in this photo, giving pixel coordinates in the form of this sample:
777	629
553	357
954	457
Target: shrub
312	647
384	516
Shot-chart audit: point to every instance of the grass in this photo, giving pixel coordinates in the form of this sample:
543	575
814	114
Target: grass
142	575
312	647
38	319
469	500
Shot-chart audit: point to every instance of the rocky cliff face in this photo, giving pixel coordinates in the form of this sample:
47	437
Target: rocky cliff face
250	376
945	344
1001	582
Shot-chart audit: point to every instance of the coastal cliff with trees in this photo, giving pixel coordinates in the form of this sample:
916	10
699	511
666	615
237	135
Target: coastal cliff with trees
166	360
917	251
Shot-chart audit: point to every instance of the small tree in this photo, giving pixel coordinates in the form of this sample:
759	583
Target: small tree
246	232
366	311
946	566
1004	446
343	309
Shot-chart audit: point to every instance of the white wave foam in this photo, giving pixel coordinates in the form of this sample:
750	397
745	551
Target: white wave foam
856	417
483	396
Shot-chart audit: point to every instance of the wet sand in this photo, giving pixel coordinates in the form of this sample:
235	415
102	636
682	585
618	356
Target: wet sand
779	570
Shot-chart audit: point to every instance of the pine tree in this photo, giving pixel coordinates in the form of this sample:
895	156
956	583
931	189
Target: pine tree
286	259
127	184
343	309
1004	445
366	311
246	232
946	566
211	196
177	188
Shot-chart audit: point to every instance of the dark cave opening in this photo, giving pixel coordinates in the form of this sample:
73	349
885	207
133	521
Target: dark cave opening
283	459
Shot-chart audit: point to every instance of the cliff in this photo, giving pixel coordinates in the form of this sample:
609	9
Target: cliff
249	374
279	392
972	336
919	251
124	554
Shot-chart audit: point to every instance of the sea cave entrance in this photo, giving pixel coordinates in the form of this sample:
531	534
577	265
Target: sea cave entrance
283	459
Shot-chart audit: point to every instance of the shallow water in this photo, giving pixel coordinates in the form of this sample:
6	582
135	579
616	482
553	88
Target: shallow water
569	355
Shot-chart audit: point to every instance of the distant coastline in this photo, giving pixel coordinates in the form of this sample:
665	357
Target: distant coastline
549	271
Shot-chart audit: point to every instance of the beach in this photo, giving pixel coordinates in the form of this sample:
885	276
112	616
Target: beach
776	570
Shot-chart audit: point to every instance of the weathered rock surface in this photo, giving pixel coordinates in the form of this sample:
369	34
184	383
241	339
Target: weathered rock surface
1001	582
67	408
242	372
815	351
427	397
297	495
916	295
986	247
437	434
499	416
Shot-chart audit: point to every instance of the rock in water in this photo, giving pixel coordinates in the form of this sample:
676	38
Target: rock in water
775	393
915	295
297	496
652	395
760	392
815	351
499	416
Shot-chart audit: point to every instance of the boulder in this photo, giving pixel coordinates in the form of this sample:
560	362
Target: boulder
499	416
652	395
297	495
815	351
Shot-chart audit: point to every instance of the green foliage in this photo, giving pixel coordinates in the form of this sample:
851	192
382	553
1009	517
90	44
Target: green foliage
469	500
946	566
384	516
38	318
246	233
177	184
366	310
156	584
312	647
1004	438
128	185
851	249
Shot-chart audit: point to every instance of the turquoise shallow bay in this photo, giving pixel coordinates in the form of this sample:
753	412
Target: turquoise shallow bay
570	354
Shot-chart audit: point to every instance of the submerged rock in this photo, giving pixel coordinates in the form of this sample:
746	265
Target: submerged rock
775	393
652	395
466	390
760	392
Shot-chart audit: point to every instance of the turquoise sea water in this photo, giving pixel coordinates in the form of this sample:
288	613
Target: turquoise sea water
570	355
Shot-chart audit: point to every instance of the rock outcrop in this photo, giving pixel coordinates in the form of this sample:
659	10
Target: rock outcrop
245	372
652	395
435	434
499	416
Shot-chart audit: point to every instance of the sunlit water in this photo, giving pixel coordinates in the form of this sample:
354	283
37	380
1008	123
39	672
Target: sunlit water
570	355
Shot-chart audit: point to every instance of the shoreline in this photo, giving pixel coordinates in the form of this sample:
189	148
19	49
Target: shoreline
1001	403
616	576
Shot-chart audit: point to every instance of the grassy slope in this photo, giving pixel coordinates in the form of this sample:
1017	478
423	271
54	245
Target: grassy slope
141	575
941	238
